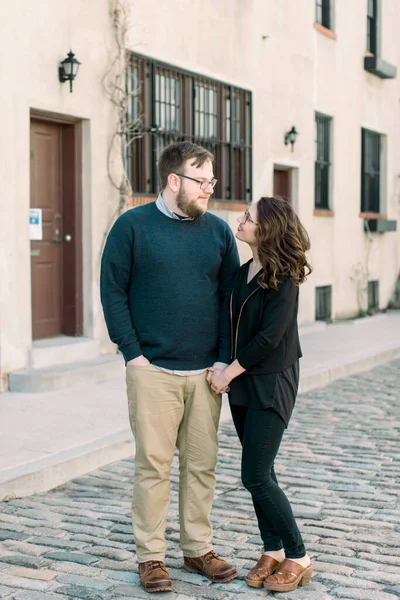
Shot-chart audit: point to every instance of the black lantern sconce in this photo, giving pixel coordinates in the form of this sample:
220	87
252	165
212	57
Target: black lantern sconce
290	137
68	69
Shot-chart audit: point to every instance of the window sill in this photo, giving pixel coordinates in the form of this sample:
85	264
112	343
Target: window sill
372	215
139	200
323	212
325	31
379	67
230	205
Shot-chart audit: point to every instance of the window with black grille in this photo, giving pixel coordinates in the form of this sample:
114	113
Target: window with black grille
323	303
372	8
373	295
323	13
370	171
322	161
178	105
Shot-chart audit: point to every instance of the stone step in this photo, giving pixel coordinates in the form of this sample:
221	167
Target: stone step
45	379
61	350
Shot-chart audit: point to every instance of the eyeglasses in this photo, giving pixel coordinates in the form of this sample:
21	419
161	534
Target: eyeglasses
247	217
203	184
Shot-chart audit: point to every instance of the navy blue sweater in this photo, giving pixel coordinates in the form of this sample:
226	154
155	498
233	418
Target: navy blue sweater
165	286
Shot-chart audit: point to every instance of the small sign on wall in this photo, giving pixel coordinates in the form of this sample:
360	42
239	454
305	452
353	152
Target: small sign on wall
35	224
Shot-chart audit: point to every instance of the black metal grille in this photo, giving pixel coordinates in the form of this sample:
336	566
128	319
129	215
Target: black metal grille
322	160
323	303
323	13
370	171
371	26
178	105
373	295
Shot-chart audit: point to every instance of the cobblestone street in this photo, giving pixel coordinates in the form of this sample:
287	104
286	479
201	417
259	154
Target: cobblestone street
340	466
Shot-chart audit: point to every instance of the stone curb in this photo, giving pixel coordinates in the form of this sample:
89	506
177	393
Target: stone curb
47	473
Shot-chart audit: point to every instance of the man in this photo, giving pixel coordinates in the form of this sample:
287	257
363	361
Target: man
167	272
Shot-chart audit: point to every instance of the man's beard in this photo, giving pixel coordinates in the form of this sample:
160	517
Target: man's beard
189	207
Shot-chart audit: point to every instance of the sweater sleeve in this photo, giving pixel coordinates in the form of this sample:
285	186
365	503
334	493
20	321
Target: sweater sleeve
278	313
228	270
115	275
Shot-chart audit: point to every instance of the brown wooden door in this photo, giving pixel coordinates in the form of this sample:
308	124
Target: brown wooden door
282	184
46	255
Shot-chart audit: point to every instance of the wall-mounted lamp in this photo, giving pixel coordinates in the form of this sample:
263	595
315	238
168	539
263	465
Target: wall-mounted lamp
290	137
68	69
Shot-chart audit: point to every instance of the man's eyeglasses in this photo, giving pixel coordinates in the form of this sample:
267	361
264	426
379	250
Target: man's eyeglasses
247	217
203	184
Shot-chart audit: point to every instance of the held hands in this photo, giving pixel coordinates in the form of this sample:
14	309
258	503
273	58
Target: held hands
218	380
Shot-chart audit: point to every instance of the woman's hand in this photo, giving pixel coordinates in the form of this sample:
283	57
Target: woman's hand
219	380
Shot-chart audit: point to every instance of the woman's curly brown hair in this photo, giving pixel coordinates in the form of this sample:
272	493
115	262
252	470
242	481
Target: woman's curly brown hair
282	243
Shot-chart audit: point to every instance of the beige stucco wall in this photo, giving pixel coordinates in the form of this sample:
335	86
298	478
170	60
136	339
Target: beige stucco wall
291	73
34	38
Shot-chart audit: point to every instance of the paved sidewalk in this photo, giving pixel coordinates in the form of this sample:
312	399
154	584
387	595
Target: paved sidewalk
47	439
339	464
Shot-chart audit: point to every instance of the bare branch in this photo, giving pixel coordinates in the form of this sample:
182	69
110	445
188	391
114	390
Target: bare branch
114	85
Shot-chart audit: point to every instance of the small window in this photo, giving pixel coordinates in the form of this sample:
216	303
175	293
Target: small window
322	161
372	26
370	171
323	13
373	296
323	303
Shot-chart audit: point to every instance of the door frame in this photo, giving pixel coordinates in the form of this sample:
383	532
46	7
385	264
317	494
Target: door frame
71	185
293	168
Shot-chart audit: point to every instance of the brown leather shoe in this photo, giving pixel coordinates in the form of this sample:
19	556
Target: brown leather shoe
258	574
154	576
212	566
289	575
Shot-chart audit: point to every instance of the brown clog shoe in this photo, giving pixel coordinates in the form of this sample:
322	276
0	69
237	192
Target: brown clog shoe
212	566
289	575
154	576
263	569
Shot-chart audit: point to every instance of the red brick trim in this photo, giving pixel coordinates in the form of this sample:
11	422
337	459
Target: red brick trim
323	212
230	205
325	31
368	215
139	200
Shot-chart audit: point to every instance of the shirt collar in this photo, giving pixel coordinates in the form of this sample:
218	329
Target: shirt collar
162	207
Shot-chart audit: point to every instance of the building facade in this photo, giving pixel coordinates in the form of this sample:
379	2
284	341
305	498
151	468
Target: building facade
296	99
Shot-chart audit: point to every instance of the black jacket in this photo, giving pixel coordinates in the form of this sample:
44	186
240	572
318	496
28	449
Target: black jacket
264	334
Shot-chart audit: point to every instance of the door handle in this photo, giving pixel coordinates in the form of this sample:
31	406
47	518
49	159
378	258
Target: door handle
67	237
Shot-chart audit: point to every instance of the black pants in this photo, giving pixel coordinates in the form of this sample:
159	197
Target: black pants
260	432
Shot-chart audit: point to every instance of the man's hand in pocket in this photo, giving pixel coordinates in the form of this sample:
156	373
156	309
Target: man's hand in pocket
139	361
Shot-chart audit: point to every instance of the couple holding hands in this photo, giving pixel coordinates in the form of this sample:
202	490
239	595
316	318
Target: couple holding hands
192	324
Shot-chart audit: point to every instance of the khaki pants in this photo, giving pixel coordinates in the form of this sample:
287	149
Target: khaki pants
168	411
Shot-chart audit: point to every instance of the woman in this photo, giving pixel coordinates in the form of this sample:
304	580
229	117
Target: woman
263	379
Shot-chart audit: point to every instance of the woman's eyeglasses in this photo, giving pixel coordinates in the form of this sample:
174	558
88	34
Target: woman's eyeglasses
247	217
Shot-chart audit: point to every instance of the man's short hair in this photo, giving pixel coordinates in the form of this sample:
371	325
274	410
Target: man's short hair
174	156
